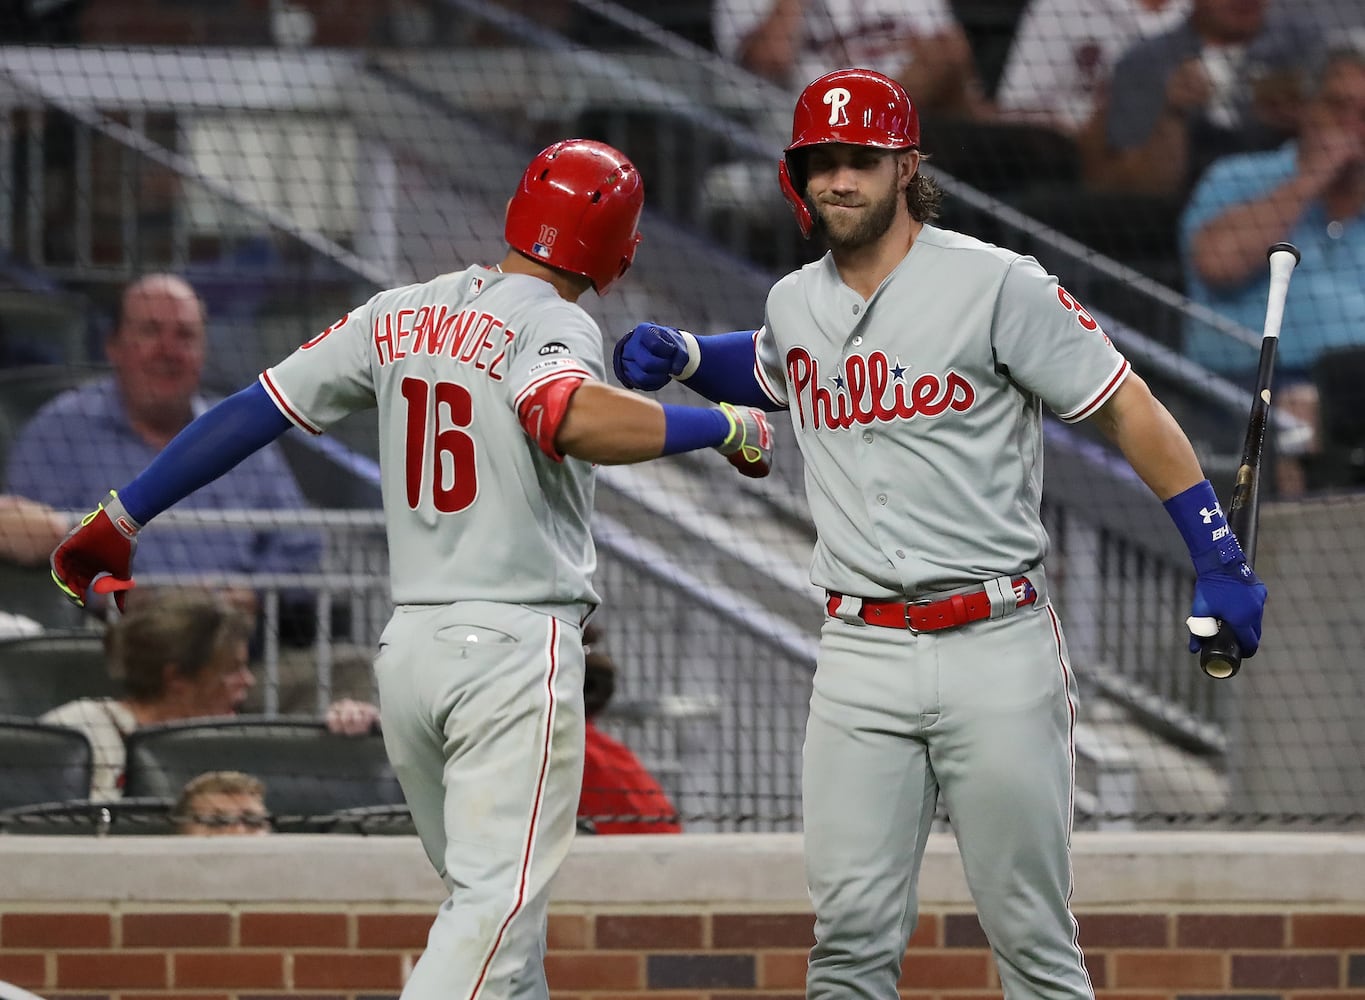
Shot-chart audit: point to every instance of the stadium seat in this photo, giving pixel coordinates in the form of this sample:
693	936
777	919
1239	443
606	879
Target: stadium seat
28	591
84	817
372	820
40	672
41	763
309	773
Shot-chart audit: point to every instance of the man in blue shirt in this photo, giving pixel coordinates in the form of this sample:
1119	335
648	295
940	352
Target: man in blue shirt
107	430
1218	83
1310	192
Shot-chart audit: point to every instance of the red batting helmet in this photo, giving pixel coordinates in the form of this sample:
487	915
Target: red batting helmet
577	209
859	107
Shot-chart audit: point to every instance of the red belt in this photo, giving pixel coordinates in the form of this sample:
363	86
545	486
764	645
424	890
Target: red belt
935	615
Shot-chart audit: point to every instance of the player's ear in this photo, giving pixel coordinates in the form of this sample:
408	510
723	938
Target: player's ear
908	165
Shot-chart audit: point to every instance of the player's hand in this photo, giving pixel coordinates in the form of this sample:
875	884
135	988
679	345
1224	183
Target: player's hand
1233	595
648	356
750	444
98	554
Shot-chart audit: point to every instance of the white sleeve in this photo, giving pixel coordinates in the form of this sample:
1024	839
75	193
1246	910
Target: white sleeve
1051	346
328	377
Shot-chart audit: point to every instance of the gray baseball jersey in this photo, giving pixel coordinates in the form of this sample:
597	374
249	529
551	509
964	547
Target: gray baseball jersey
475	509
918	411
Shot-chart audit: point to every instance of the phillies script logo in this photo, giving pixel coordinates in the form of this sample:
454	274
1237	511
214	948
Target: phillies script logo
871	389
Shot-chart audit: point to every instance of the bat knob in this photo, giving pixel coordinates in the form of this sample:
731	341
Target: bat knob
1220	656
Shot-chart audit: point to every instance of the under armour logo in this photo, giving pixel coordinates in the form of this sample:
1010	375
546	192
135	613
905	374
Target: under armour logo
1209	515
837	98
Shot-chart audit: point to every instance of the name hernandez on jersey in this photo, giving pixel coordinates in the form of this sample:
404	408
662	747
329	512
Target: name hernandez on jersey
469	336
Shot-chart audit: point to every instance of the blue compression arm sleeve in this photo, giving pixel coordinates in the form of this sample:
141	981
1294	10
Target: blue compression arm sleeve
215	442
687	428
726	371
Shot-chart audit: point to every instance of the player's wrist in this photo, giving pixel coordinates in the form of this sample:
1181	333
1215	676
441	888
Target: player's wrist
689	428
693	362
1204	528
123	522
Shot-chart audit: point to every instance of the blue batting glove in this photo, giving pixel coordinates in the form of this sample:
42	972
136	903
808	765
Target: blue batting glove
648	356
1233	594
1225	588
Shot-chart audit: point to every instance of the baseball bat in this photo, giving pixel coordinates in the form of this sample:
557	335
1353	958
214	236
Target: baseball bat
1220	656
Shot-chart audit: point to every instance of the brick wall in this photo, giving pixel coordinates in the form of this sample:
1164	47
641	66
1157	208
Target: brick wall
697	918
247	952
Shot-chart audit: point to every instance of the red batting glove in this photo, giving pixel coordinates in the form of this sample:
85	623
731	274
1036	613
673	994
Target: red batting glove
98	554
750	444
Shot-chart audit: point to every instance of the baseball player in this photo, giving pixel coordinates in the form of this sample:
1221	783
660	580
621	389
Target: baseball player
492	411
914	363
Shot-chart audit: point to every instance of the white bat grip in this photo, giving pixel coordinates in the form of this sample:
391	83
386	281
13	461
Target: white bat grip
1282	263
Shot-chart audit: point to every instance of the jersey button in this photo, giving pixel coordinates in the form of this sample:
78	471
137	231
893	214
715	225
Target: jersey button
900	553
857	340
857	309
881	499
867	436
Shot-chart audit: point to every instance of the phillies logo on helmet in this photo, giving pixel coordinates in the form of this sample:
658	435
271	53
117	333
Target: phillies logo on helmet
837	98
871	390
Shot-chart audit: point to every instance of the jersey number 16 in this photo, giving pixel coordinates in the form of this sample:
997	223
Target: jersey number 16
454	480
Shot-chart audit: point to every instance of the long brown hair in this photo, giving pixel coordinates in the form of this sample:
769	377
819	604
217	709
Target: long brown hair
187	629
923	196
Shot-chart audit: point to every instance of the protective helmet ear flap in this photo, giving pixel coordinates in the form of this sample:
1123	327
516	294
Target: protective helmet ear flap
795	199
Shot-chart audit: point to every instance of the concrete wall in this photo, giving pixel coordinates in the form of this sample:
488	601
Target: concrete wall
721	917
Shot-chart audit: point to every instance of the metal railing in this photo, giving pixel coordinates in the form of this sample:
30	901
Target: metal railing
713	686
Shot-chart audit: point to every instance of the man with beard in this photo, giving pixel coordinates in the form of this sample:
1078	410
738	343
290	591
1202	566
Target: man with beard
915	362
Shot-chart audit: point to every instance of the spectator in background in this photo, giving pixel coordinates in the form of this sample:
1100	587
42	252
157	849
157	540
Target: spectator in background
107	430
1224	81
29	530
918	42
1310	192
1063	54
619	794
179	656
28	533
222	803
